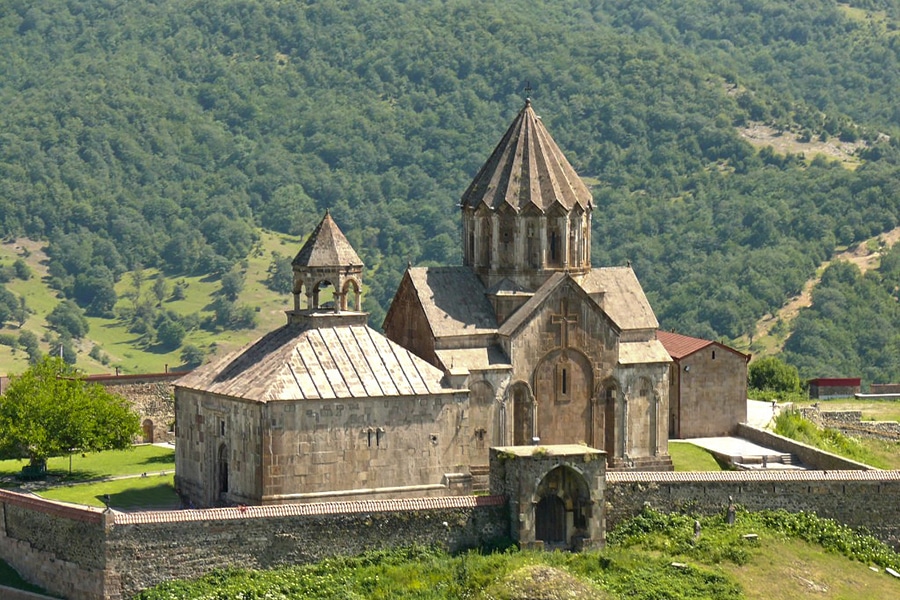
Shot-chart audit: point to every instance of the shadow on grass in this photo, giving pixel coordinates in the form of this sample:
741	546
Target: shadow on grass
159	496
156	460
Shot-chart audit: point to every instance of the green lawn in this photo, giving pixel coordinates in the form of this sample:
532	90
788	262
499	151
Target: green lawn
688	457
137	460
153	491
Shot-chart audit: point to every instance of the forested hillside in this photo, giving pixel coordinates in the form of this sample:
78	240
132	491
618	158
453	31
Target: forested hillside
162	134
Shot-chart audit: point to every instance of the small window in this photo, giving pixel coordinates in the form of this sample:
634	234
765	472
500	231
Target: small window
221	427
714	355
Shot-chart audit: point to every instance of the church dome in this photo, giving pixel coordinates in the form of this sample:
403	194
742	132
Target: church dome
527	214
527	169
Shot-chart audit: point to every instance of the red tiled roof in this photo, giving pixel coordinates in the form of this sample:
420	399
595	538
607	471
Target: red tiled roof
314	509
836	381
678	346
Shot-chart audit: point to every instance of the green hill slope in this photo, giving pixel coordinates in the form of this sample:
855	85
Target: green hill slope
162	135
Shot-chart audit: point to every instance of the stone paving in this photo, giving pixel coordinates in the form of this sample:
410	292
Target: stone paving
745	453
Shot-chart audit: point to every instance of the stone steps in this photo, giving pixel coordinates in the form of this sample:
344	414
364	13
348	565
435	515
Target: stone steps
481	478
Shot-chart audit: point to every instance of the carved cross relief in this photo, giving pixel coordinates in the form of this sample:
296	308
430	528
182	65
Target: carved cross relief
564	319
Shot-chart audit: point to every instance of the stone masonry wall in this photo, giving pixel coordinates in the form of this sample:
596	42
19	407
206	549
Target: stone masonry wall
58	547
849	422
857	498
83	554
151	395
809	456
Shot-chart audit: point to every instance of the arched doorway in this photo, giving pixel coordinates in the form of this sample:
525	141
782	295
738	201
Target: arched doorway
563	508
550	521
147	430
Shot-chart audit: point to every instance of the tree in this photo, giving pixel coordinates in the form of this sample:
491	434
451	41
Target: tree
192	356
232	284
770	373
50	411
170	333
23	271
67	318
280	274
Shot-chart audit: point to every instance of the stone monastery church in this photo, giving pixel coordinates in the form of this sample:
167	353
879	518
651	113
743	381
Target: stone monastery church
524	344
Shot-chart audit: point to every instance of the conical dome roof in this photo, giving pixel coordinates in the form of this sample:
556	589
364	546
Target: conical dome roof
327	247
527	168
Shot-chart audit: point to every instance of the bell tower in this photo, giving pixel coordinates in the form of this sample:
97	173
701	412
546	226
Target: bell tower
327	274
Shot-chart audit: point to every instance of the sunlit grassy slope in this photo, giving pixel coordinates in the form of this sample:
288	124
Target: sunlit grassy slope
126	349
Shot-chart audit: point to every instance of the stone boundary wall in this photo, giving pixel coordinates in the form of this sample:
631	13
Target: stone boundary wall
55	546
85	554
151	395
857	498
809	456
884	388
8	593
849	422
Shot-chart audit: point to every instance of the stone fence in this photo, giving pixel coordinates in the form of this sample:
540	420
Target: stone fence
85	554
856	498
849	422
811	457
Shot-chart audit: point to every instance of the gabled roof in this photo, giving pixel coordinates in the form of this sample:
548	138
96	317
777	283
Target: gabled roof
678	346
453	300
300	362
327	247
619	293
527	168
528	310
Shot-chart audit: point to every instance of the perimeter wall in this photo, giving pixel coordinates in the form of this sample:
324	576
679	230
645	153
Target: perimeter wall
86	554
856	498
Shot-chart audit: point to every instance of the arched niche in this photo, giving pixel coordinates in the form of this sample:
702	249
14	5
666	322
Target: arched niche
523	413
222	472
563	387
563	508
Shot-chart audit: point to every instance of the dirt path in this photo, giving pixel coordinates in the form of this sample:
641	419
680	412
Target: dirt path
860	255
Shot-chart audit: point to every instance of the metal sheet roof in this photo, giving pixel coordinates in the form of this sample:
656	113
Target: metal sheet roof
298	362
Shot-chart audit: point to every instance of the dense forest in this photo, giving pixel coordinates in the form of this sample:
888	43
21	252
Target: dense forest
163	134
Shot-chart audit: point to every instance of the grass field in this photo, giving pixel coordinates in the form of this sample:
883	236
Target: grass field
124	348
650	558
137	460
688	457
151	492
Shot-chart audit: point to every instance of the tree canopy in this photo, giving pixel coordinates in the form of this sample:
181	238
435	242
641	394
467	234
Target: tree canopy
163	133
50	411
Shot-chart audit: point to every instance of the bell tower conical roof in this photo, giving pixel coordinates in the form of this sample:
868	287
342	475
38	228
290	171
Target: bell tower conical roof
527	168
327	247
